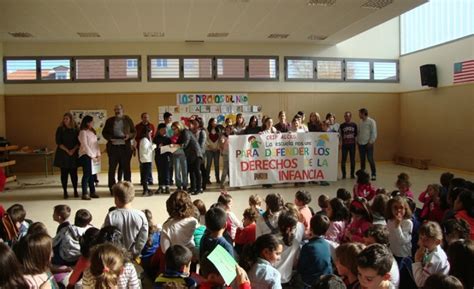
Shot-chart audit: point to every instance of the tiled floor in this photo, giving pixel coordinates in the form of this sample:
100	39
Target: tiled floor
39	194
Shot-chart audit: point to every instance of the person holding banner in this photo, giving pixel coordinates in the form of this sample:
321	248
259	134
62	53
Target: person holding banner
239	125
366	140
315	124
282	125
269	128
297	125
89	152
253	127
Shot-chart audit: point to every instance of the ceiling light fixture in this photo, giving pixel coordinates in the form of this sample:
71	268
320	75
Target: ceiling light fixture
153	34
278	36
88	34
325	3
376	4
21	34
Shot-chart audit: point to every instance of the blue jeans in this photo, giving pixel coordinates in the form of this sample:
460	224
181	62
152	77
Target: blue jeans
87	179
345	149
180	169
213	156
367	151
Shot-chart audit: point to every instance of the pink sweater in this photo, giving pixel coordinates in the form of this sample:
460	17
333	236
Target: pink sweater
89	145
336	231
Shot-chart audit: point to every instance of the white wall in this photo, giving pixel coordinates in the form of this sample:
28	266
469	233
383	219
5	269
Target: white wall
444	56
380	42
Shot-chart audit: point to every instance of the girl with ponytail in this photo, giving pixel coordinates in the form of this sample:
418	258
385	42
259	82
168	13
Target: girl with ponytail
258	260
291	232
109	269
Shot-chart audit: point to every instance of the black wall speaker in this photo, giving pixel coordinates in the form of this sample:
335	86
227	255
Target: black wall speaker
428	75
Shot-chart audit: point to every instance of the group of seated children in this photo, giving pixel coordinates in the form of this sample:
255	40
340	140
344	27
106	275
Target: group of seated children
369	239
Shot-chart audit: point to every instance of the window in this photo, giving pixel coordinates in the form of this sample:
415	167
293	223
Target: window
335	69
385	71
197	68
55	69
329	69
357	70
231	68
161	63
302	69
164	68
20	70
263	68
124	68
90	68
435	22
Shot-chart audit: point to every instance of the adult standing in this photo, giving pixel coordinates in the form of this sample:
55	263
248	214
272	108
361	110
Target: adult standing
348	134
119	131
66	154
366	140
140	128
201	137
168	120
239	125
282	125
333	126
89	152
212	149
193	153
179	158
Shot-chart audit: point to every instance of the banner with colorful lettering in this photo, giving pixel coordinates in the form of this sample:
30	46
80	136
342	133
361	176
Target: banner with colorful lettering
283	158
211	98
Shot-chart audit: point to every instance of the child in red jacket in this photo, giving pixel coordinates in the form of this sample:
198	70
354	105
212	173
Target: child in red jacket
213	279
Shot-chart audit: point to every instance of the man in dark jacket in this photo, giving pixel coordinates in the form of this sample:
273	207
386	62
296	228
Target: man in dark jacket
193	153
119	131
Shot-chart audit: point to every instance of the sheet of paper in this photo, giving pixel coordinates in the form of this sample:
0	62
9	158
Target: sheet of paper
96	167
168	149
224	262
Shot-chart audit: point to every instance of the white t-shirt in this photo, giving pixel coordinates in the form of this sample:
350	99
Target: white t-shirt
178	232
290	255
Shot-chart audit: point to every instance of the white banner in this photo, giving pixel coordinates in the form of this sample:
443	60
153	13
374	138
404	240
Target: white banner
283	158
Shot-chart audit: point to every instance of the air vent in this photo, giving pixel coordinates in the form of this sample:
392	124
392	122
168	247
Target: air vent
278	36
218	34
153	34
376	4
194	41
325	3
21	34
317	37
88	34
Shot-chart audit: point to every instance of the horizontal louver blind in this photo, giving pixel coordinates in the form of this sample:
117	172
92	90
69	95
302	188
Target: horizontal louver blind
197	68
300	69
261	68
358	70
162	68
385	71
55	69
230	68
90	69
329	69
123	68
21	69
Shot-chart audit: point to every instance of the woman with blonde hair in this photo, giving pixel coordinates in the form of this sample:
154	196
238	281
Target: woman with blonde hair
315	124
66	157
179	158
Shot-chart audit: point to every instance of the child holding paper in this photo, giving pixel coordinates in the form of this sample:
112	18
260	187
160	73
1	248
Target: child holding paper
213	278
163	160
146	151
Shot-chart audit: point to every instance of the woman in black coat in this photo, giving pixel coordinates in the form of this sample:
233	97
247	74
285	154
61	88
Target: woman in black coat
66	152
